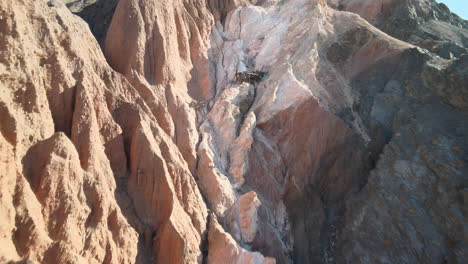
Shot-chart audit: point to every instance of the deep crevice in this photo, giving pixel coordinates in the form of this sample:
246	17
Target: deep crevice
99	16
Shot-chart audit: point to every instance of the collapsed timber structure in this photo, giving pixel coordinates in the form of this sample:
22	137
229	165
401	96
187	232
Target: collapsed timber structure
249	76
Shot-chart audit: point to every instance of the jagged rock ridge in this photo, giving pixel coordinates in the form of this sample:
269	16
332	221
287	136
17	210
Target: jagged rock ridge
350	149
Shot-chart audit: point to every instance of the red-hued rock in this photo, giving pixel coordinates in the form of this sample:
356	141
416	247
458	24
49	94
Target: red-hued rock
152	150
243	216
224	249
166	60
69	126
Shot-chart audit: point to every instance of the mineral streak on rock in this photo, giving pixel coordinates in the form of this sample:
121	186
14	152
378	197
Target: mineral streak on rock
237	131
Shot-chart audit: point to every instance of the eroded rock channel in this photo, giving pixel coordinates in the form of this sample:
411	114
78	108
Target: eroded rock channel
261	131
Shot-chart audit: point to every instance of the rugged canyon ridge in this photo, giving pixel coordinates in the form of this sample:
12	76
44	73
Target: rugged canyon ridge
127	138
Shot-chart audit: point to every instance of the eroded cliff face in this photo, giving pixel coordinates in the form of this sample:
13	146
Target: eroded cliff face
145	149
427	24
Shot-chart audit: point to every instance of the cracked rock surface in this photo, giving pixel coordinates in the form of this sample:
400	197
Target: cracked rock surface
127	138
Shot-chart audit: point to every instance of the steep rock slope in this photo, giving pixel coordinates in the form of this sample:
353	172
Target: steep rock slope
427	24
60	197
75	134
97	13
167	62
304	139
350	149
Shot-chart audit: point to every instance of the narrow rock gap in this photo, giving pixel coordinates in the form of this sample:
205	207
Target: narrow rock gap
243	112
73	107
19	221
334	214
123	198
205	245
125	202
200	115
98	15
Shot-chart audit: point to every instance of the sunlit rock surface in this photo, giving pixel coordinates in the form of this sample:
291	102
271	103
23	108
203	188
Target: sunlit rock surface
127	138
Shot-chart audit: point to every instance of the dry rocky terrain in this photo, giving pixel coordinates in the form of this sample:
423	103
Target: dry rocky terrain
127	135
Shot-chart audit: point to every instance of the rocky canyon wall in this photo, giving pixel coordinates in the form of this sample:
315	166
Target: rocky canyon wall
127	137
